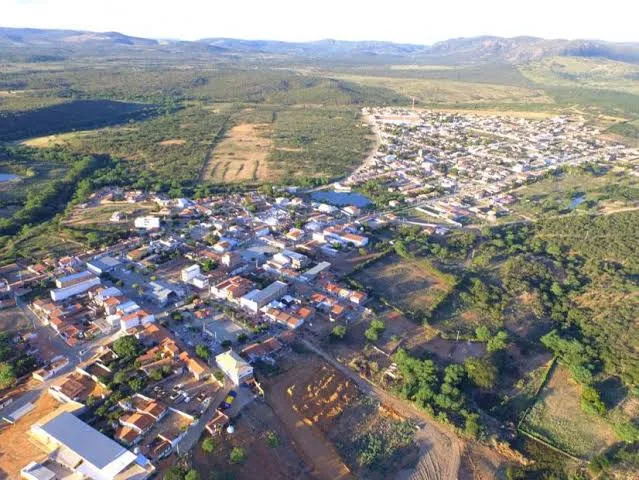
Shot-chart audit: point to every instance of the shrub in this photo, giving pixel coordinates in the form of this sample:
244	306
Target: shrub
238	455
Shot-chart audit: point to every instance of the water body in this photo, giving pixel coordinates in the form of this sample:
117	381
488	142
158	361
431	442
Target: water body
7	177
341	199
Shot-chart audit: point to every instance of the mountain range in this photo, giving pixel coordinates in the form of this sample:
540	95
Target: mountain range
483	49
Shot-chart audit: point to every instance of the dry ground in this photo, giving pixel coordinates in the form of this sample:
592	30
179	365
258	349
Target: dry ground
13	320
242	155
404	283
17	448
275	463
558	418
306	399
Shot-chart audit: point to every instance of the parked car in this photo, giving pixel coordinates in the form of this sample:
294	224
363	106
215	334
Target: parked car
228	401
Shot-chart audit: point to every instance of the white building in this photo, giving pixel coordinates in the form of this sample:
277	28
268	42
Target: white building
189	273
147	222
234	367
74	284
256	299
87	452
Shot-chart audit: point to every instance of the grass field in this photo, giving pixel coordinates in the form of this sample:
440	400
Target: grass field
557	418
411	285
428	91
242	155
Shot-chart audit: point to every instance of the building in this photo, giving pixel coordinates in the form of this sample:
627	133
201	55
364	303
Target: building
234	367
192	276
73	284
232	289
103	265
147	223
256	299
88	452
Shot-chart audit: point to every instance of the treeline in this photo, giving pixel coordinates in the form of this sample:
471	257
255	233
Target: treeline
45	201
64	117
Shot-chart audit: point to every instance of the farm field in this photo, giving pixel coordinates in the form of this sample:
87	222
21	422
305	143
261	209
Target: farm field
410	284
557	417
242	155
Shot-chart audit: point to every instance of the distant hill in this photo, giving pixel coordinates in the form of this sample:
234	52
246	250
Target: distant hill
473	50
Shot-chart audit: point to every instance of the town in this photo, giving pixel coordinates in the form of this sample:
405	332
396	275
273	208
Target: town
140	348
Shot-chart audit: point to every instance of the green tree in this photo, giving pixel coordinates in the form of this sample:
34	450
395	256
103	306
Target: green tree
498	342
482	333
338	332
238	455
202	351
7	375
174	473
272	439
192	475
481	371
126	347
208	445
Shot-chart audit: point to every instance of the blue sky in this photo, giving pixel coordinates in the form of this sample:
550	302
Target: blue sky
414	21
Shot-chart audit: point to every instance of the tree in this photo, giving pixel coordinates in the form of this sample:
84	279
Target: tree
126	347
498	342
208	445
482	333
93	239
238	455
174	473
136	384
338	332
202	351
481	371
192	475
7	375
272	440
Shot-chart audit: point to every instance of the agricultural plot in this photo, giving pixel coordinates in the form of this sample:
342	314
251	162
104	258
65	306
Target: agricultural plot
412	285
242	155
558	419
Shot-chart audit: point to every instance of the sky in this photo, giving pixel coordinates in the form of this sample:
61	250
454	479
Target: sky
409	21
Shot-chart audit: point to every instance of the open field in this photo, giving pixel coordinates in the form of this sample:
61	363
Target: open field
13	320
263	461
101	214
305	410
242	155
558	418
428	91
410	285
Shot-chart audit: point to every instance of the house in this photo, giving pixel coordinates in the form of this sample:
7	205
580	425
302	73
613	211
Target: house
233	288
139	317
87	452
148	223
194	365
217	423
263	351
234	367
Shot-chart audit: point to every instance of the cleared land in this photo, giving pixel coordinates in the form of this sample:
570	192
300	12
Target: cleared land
447	91
411	285
242	155
557	417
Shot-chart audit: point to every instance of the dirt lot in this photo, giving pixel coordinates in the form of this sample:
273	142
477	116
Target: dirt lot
13	320
558	418
306	399
101	214
18	449
263	461
242	155
405	283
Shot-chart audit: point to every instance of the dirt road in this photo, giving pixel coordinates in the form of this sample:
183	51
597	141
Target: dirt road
440	450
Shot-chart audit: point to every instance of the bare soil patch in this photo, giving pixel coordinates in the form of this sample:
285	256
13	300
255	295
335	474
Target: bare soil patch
173	141
242	155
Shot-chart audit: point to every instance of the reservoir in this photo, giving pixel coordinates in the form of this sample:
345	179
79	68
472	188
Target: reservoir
341	199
